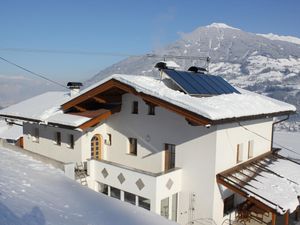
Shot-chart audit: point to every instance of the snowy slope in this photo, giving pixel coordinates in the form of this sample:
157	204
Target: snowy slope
247	60
32	193
281	38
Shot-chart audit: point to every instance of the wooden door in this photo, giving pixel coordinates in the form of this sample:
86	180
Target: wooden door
96	146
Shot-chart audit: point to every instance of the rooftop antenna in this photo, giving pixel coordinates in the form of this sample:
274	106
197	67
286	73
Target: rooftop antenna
164	57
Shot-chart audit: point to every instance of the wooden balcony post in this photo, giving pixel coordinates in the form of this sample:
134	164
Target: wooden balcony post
273	218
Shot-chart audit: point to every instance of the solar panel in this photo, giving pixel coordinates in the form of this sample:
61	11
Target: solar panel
200	84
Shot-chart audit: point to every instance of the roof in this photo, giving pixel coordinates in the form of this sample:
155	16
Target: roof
213	108
271	179
49	107
12	132
44	108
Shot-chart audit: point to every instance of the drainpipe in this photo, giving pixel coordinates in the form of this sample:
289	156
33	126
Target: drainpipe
273	125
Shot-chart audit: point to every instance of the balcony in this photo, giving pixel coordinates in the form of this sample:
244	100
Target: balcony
154	186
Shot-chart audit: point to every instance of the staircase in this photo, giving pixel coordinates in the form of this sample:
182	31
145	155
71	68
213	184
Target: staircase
80	173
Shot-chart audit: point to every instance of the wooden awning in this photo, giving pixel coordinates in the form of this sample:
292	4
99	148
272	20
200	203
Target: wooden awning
271	181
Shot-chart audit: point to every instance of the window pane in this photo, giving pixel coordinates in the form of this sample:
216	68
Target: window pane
239	153
250	149
174	207
144	203
228	204
115	193
71	141
133	146
164	208
129	197
103	188
135	107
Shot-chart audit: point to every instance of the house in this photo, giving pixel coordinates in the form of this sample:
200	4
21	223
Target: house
187	145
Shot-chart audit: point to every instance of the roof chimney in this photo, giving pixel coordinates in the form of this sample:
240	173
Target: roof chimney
74	88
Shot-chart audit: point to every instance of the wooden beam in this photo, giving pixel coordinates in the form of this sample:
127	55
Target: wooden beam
99	100
92	122
286	217
81	109
273	219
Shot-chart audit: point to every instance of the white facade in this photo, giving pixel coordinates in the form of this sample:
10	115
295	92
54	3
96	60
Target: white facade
201	153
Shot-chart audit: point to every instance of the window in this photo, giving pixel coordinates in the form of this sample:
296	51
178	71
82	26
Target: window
151	109
58	138
169	156
239	153
135	107
103	188
164	208
36	135
133	146
144	203
129	197
174	207
108	140
71	141
250	149
228	205
115	192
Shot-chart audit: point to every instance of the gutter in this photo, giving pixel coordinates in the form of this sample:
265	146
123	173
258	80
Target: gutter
273	126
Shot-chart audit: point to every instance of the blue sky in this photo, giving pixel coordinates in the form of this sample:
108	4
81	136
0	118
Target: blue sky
130	27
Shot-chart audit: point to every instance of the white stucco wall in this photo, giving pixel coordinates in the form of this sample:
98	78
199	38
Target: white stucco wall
46	145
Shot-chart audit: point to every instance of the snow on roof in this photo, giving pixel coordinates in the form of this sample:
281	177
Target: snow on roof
35	193
280	187
67	119
273	180
12	132
46	108
215	108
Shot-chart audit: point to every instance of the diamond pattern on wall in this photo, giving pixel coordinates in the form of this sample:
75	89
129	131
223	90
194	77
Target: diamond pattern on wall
169	184
121	178
104	173
140	184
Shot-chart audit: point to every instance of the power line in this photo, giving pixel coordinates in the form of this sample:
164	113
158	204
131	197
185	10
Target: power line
33	73
70	52
288	149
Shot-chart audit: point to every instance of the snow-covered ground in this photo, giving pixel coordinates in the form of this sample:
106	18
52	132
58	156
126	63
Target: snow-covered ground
32	193
289	140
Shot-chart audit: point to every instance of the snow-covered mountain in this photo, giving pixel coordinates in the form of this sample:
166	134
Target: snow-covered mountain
267	64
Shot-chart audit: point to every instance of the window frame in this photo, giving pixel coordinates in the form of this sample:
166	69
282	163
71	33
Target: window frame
132	146
135	107
170	156
228	204
250	149
239	153
151	109
71	141
36	135
58	138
